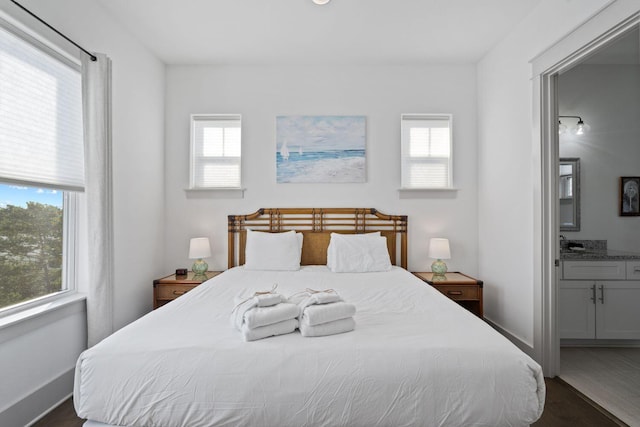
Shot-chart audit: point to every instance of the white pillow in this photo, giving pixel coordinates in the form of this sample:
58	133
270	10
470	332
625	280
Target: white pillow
273	251
331	255
359	254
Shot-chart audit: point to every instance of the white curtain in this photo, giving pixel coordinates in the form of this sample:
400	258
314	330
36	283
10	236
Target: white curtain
96	103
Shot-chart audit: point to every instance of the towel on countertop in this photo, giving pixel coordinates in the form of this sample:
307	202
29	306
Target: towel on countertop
280	328
330	328
324	313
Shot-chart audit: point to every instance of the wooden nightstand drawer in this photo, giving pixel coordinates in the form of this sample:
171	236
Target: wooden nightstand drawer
458	292
171	287
463	289
170	291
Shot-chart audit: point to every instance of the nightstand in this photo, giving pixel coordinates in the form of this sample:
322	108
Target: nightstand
463	289
171	287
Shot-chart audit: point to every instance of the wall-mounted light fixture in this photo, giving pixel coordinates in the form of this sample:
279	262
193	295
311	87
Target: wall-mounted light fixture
321	1
579	129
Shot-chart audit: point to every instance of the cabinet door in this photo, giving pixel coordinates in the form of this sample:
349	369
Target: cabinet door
618	309
576	309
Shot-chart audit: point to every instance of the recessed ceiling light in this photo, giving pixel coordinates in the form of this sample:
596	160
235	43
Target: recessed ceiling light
321	1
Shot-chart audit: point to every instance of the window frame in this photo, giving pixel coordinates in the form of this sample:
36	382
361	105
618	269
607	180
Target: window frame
405	158
70	236
193	185
70	199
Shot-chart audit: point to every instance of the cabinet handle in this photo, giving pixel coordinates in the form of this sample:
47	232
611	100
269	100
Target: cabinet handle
179	292
454	292
636	269
601	294
593	293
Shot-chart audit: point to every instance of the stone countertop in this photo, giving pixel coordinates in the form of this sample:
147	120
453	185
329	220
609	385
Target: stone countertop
598	255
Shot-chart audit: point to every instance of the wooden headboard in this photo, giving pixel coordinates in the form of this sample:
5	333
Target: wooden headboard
317	224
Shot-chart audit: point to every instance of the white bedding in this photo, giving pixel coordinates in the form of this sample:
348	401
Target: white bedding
415	359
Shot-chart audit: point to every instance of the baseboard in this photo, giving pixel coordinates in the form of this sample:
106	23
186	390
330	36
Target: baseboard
34	406
515	340
599	343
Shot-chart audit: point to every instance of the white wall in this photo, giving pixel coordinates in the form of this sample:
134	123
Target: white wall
381	93
138	194
138	139
608	98
509	162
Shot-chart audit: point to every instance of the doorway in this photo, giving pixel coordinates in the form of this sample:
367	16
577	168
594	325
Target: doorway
604	370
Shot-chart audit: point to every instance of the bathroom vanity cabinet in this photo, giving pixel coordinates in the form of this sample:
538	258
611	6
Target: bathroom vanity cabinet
599	300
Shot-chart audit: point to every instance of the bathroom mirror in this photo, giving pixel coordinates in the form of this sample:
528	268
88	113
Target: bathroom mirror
569	192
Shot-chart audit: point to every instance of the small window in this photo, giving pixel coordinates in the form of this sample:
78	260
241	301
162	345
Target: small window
216	143
426	151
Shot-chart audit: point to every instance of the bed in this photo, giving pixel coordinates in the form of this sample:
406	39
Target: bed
415	358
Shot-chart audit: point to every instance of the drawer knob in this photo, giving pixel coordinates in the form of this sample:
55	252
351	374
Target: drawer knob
179	292
454	292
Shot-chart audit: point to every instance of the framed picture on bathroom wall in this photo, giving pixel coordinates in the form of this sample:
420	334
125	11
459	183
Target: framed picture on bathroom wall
629	196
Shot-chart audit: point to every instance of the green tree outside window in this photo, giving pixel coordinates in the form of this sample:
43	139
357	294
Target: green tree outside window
30	252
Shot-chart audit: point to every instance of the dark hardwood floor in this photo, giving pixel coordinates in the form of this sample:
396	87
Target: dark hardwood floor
62	416
564	406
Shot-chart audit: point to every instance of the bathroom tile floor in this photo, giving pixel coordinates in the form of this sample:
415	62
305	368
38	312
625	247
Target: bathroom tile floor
609	376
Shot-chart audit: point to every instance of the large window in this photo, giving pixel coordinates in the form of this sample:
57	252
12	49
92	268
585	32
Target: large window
215	151
41	168
426	151
31	243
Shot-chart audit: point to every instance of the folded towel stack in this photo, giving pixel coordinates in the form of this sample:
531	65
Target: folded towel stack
324	313
263	315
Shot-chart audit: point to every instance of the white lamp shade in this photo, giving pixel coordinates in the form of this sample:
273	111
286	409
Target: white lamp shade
439	248
199	248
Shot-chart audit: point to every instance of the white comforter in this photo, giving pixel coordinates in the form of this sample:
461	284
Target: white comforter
415	359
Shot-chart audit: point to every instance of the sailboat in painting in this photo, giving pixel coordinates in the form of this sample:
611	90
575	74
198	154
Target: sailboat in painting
284	151
300	150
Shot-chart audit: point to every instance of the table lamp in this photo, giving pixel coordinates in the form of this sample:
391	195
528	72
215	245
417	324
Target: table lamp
439	249
199	248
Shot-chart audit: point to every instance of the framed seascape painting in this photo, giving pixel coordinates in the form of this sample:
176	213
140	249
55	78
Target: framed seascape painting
629	196
320	149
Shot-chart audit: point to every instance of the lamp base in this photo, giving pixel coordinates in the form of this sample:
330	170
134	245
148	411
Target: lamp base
200	267
439	269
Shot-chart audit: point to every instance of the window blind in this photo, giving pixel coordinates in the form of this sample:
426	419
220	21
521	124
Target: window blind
426	151
216	142
41	137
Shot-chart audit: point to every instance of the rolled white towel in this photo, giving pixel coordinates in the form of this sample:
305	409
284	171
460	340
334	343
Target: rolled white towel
330	328
261	316
311	297
323	313
280	328
246	304
321	298
262	300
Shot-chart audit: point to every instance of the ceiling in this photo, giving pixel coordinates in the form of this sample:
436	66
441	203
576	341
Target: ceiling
301	32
